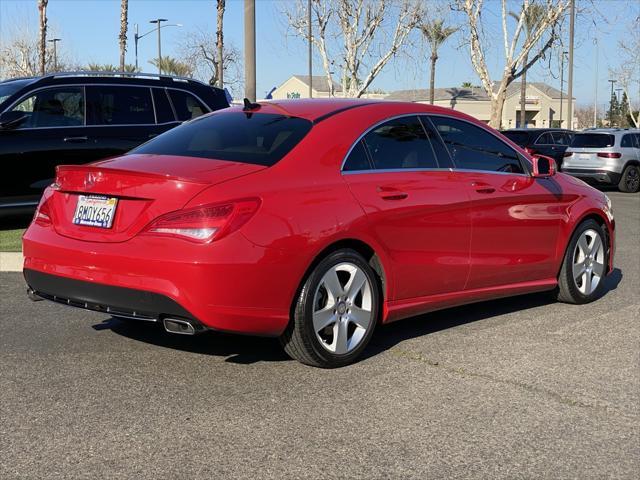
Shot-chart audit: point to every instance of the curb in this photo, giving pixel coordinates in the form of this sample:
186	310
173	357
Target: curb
11	261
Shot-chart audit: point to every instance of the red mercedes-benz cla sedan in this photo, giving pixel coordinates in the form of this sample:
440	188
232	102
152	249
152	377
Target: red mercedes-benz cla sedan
315	221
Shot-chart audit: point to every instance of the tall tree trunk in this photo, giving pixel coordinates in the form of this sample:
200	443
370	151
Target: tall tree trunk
42	7
523	95
124	15
497	105
220	43
432	81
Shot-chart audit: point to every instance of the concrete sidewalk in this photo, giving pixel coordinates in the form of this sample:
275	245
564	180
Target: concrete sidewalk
11	261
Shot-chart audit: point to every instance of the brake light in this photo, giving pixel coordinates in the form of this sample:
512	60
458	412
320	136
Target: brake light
43	213
205	223
609	155
568	154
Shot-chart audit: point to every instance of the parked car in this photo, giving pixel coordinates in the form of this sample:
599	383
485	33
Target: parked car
314	221
607	156
76	118
552	142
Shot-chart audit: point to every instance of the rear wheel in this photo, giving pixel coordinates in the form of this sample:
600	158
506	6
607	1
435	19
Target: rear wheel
585	264
335	313
630	180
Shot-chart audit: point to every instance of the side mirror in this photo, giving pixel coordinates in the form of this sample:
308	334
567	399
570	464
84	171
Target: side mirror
543	166
12	119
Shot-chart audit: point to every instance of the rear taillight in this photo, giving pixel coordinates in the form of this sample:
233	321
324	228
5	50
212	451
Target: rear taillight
205	223
568	154
43	213
609	155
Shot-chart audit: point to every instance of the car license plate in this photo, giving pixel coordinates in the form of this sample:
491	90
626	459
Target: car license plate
585	156
95	211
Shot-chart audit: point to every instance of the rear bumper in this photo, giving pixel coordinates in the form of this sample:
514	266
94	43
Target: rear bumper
593	176
234	285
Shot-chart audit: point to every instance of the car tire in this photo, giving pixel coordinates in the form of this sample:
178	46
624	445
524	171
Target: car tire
630	180
335	313
584	266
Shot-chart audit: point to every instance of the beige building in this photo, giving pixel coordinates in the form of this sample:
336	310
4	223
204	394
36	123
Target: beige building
542	103
298	87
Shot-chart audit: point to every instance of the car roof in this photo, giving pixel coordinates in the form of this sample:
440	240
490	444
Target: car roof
319	109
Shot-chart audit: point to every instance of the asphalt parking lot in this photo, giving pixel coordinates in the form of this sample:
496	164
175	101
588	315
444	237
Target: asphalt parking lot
516	388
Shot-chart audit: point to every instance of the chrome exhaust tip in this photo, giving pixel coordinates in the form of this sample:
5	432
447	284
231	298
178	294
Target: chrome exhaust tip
181	327
33	296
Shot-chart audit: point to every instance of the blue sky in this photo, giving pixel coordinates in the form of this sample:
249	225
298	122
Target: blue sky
89	30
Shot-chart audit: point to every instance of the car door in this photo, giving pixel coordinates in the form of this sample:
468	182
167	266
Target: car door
416	207
516	218
121	117
561	141
53	133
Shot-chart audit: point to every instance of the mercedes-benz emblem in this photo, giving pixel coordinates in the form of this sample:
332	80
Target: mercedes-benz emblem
90	180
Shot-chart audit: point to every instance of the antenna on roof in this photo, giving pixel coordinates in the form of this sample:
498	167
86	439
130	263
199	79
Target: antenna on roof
249	105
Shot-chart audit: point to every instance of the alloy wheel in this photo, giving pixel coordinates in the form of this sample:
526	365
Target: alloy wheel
588	262
633	179
342	308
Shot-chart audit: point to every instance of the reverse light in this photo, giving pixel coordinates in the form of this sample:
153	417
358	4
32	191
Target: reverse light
609	155
206	223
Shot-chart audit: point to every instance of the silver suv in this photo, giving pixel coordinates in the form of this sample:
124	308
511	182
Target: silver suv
605	156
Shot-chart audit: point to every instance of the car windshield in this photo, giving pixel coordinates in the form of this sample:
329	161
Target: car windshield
592	140
519	138
9	88
257	138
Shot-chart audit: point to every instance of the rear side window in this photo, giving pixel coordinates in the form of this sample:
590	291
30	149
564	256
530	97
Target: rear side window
53	107
186	106
628	141
545	139
400	143
561	138
519	138
258	138
593	140
473	148
164	112
357	159
120	105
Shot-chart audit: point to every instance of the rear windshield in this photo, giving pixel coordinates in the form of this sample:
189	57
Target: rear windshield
592	140
519	138
257	138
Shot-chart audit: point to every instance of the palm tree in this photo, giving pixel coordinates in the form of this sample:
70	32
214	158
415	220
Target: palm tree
220	43
107	67
42	8
172	66
532	18
124	16
436	34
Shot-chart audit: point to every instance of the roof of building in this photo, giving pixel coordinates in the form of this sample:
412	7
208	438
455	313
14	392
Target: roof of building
320	83
467	94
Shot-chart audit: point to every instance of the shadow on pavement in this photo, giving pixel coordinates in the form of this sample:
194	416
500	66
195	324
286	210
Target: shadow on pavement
247	349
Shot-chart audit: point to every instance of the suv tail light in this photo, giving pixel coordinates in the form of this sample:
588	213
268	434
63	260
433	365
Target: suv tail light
568	154
205	223
609	154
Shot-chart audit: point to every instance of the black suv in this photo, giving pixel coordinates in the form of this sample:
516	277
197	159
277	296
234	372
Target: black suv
551	142
74	118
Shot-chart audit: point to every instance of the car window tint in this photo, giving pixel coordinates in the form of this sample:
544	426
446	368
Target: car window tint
53	107
637	140
592	140
120	105
186	106
164	113
545	139
561	138
400	143
258	138
519	138
442	155
473	148
627	141
357	159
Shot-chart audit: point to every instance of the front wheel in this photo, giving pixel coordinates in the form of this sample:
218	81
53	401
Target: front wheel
585	264
335	313
630	180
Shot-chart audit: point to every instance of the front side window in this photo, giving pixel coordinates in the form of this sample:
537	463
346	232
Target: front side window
187	106
120	105
53	107
400	143
258	138
473	148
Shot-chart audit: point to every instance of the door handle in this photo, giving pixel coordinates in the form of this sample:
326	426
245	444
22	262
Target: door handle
75	139
483	187
390	193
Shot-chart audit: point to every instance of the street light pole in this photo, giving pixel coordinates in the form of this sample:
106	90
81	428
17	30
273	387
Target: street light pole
561	84
55	53
250	49
595	98
310	49
159	22
611	104
570	86
136	37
